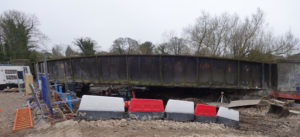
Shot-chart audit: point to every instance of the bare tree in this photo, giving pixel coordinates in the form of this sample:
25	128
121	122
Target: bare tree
245	33
161	49
209	35
215	42
177	46
70	52
57	51
228	35
284	45
124	46
198	32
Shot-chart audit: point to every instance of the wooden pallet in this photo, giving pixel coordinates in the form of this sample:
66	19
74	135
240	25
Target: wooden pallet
23	119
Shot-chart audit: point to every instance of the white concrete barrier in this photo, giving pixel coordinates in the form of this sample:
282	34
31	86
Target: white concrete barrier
101	107
179	110
228	117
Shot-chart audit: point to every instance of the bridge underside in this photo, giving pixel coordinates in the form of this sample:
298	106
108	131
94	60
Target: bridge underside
164	70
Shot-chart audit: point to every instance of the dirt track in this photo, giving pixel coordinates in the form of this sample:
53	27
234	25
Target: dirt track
9	102
253	122
252	119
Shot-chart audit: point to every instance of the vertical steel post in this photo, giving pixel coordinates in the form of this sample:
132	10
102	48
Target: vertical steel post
197	71
61	93
69	103
97	69
47	83
127	69
160	70
238	73
71	73
263	76
55	86
36	98
37	73
65	76
270	73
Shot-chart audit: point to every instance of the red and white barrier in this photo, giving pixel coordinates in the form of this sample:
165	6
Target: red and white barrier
205	113
146	109
179	110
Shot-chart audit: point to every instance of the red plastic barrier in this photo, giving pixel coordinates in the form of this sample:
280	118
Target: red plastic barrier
126	104
146	105
205	110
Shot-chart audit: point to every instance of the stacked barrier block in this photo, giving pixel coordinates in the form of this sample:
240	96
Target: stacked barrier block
228	117
205	113
179	110
101	108
146	109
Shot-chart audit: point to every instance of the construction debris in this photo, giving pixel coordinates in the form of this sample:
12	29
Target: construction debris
278	110
243	103
10	90
283	108
28	81
294	112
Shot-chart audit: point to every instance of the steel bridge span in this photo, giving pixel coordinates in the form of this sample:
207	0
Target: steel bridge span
163	70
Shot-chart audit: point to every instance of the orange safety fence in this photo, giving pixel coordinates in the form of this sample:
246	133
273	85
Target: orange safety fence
23	119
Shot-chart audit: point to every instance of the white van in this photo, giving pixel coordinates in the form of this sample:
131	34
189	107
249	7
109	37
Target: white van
12	75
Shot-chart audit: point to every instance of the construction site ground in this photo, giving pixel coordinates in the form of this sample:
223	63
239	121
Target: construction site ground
254	122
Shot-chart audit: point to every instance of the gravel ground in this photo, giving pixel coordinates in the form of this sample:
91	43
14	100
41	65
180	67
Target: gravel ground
124	128
9	103
253	122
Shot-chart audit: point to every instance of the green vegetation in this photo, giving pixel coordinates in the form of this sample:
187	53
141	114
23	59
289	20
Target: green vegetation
18	32
86	46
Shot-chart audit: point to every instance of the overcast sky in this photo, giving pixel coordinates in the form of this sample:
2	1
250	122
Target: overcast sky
104	21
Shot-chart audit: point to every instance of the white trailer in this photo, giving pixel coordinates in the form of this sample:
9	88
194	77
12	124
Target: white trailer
13	75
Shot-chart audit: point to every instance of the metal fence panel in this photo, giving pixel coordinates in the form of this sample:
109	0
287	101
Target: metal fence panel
218	71
267	76
76	69
256	73
231	72
113	68
88	69
144	69
204	71
172	69
286	77
245	74
190	69
165	70
56	69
